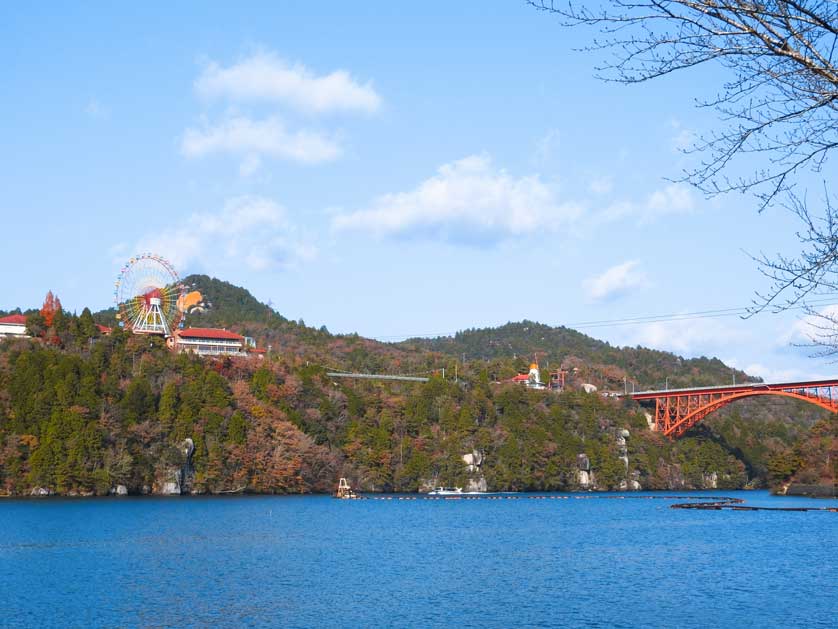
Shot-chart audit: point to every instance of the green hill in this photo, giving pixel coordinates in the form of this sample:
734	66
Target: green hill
82	413
226	304
593	360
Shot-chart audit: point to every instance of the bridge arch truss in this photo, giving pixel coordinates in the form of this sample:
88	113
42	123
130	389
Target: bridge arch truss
678	410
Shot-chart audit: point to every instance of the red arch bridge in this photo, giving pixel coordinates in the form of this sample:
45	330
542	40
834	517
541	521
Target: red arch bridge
678	410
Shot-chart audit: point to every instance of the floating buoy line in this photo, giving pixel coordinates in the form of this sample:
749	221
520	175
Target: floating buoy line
708	503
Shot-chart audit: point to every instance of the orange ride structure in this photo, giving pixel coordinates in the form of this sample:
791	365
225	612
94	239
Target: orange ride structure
678	410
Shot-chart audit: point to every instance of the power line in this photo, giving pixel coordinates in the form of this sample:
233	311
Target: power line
638	320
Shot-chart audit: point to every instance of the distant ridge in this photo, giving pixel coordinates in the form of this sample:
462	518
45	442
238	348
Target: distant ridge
561	346
511	347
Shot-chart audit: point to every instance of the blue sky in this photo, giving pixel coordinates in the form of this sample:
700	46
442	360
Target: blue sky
391	169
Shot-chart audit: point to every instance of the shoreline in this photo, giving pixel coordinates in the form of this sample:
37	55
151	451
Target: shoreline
578	494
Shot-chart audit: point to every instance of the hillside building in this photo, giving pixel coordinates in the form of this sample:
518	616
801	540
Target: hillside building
212	342
13	326
531	380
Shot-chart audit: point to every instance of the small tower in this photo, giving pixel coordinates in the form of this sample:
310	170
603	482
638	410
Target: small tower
535	374
534	380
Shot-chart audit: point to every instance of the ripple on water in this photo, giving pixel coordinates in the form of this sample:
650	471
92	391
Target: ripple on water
313	561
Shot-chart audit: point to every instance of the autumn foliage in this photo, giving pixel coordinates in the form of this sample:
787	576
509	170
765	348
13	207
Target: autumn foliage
51	306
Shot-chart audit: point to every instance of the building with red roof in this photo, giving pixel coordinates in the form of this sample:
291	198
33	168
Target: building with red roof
210	342
13	326
531	380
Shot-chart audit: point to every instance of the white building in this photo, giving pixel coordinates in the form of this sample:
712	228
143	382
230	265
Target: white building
209	342
13	326
531	380
213	342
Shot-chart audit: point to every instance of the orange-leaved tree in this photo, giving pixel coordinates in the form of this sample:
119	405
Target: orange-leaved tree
51	306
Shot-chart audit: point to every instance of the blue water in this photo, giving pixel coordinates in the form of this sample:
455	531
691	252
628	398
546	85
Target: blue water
319	562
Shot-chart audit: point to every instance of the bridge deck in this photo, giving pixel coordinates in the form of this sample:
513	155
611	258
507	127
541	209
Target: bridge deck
733	388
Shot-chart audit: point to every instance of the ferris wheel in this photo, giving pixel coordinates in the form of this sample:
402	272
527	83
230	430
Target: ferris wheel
146	295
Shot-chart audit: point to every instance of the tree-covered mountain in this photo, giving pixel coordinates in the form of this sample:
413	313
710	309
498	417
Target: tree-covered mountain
504	350
83	418
85	413
590	359
226	304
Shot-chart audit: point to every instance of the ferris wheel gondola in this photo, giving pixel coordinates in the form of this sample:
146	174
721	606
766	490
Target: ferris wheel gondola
146	294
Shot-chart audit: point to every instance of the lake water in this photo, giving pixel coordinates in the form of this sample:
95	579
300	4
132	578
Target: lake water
320	562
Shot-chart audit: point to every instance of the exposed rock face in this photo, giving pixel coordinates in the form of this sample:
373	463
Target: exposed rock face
583	462
40	491
711	480
585	479
180	480
584	475
622	435
170	488
474	462
187	472
121	490
477	484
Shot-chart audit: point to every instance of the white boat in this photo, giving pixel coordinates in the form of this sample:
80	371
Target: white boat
446	491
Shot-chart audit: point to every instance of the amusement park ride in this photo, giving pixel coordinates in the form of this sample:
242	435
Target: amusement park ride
146	295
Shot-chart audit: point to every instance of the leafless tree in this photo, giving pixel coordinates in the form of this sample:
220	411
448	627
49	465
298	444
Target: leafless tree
778	106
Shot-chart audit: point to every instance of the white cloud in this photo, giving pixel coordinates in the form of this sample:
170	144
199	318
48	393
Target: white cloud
616	281
253	232
466	201
820	327
770	374
669	200
96	109
673	199
266	77
688	337
547	146
250	165
683	138
601	185
252	139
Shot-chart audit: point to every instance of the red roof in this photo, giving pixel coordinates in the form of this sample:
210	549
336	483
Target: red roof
15	319
103	329
209	333
521	377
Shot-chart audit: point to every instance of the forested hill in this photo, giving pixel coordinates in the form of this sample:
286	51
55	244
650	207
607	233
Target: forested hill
82	412
227	304
595	361
502	351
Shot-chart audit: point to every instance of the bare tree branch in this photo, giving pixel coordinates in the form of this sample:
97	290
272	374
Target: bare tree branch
779	103
778	111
